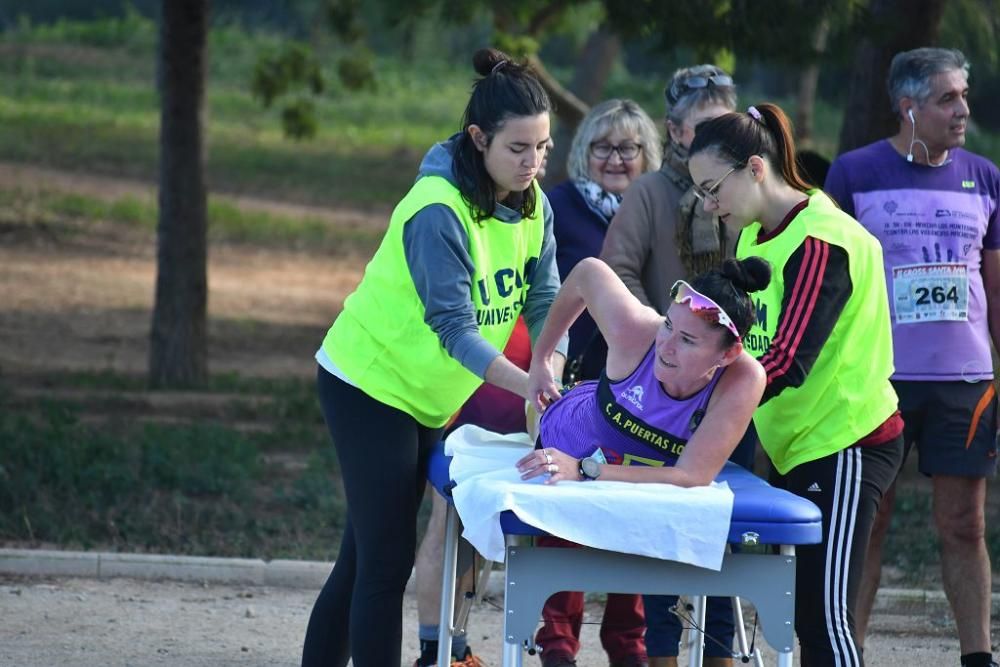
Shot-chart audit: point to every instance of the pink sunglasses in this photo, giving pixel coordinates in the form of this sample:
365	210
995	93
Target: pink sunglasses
702	306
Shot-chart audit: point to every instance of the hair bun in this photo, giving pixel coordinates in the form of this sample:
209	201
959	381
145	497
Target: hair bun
749	275
484	60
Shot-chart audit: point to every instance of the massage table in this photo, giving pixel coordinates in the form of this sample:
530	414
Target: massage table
762	515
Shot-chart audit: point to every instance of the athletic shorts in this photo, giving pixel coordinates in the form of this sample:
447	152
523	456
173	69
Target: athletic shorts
952	424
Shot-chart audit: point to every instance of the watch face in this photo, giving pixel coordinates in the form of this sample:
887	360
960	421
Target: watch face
591	468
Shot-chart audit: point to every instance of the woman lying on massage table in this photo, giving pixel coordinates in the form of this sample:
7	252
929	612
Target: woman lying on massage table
677	393
674	400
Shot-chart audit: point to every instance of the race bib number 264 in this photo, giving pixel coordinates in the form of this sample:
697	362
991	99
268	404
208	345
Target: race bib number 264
930	292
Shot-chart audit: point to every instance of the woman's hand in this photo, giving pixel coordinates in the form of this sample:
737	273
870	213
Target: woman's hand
543	386
548	461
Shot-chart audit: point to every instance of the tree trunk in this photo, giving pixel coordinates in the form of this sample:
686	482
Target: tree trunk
178	340
808	79
908	24
599	55
568	105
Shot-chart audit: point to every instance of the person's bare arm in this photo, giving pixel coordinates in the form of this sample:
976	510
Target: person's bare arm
627	325
725	422
503	373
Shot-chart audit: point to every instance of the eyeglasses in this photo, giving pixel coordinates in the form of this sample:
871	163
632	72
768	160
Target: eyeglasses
702	306
679	89
712	191
603	150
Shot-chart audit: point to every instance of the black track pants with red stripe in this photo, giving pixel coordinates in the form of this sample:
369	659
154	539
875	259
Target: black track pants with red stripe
847	487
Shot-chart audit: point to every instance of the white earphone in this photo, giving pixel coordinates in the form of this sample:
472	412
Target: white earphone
913	135
914	141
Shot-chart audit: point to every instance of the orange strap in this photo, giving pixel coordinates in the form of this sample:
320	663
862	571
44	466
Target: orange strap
984	402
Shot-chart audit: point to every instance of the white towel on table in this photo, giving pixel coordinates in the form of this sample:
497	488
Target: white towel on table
658	520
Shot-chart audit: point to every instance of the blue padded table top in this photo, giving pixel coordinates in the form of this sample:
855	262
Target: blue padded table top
775	515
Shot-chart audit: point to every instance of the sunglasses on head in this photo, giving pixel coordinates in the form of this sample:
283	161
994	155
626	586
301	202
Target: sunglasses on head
680	88
702	306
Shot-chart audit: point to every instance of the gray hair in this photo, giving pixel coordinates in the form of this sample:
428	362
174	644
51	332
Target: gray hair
911	71
615	114
681	99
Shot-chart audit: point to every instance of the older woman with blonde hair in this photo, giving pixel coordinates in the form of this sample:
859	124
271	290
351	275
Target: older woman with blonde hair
616	143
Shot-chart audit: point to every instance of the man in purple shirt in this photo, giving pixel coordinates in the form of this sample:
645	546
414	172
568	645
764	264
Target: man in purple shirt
933	206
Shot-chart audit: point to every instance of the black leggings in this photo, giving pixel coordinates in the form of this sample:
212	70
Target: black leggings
847	487
383	456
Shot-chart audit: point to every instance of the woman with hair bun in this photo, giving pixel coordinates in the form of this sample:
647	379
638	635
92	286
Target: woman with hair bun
615	143
467	250
690	360
828	418
662	233
683	376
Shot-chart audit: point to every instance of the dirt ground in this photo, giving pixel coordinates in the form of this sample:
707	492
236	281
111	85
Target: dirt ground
71	300
62	622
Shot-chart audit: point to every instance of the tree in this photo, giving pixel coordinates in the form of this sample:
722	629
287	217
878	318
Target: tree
808	80
178	354
593	67
894	26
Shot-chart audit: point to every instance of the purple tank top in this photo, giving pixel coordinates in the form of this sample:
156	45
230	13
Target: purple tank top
632	421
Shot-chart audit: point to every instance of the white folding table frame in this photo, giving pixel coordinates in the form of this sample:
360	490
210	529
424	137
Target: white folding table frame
761	515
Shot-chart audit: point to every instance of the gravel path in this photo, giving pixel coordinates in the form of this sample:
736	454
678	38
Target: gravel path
116	622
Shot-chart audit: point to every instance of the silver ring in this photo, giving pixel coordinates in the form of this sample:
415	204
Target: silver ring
548	457
553	468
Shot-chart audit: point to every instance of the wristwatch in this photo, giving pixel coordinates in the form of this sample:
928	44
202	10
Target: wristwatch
590	468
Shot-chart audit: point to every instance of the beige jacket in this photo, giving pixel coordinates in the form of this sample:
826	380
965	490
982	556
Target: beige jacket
661	234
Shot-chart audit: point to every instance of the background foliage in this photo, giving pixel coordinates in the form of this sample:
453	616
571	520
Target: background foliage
78	92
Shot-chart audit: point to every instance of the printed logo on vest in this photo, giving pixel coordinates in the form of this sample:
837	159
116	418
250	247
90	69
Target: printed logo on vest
814	488
634	396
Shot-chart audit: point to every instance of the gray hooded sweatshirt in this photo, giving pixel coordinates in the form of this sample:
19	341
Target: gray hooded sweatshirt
437	253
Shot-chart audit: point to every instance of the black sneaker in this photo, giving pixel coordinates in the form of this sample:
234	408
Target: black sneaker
558	660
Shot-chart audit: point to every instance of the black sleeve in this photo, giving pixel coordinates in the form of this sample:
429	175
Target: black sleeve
817	286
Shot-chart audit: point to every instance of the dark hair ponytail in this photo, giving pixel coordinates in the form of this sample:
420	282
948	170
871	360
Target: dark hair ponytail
763	130
730	286
507	89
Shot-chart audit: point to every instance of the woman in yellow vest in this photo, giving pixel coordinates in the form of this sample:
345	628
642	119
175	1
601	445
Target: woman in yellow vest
467	250
828	417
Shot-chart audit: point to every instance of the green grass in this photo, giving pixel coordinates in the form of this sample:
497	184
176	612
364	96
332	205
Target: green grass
89	103
291	408
187	489
227	221
201	488
912	544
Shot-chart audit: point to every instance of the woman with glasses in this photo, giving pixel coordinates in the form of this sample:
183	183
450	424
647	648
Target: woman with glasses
662	234
614	145
828	418
467	250
683	376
